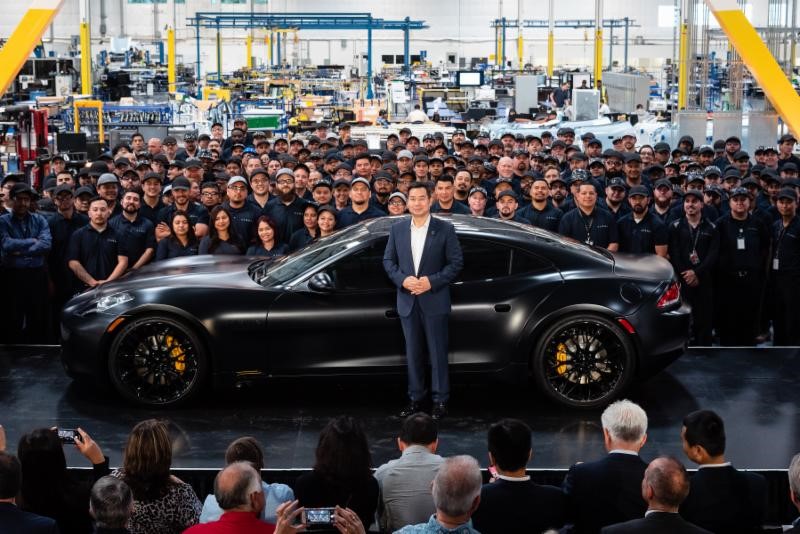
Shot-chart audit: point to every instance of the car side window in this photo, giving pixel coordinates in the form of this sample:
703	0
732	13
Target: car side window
361	270
523	262
484	260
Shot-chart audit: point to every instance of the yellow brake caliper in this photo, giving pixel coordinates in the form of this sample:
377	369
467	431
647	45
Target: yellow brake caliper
561	356
177	354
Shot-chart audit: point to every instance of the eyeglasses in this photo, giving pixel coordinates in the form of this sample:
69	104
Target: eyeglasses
258	181
237	188
397	203
285	182
210	194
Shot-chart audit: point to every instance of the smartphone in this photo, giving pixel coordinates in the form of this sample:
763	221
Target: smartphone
68	435
318	516
493	471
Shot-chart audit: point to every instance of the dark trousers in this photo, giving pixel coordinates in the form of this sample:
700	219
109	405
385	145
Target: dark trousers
785	302
738	298
28	305
701	300
429	331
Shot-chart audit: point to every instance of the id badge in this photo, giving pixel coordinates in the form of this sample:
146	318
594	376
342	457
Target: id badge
775	264
694	258
589	241
740	243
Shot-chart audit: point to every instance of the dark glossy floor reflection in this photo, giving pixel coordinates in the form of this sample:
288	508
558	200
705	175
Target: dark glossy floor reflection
755	391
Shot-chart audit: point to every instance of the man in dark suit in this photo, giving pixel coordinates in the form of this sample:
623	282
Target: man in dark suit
664	487
794	490
12	519
722	499
608	491
422	257
512	502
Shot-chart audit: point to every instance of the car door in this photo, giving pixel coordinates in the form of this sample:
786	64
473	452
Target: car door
492	299
353	328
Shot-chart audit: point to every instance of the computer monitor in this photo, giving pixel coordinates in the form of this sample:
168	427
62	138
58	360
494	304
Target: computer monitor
472	78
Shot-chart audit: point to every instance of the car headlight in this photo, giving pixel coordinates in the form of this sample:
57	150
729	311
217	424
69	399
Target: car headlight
109	301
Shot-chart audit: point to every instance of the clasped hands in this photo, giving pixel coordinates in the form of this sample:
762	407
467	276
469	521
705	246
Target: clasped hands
417	286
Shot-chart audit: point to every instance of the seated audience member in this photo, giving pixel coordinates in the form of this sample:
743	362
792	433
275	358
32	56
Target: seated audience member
247	449
664	487
456	496
237	489
341	474
12	519
48	488
111	505
721	498
794	490
405	483
162	503
512	502
609	491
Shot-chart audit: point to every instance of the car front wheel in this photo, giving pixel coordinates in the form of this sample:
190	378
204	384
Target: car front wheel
583	361
157	361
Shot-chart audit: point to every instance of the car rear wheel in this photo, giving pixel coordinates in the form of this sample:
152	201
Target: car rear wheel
583	361
157	361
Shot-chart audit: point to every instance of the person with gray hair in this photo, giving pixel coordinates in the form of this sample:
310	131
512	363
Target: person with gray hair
456	495
238	491
111	505
608	491
794	490
665	486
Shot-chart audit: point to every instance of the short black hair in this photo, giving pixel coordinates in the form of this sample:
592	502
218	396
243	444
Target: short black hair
245	449
10	476
510	444
444	178
420	185
705	428
419	429
362	155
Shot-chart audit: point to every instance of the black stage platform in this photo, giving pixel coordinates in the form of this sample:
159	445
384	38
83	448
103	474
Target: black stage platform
754	390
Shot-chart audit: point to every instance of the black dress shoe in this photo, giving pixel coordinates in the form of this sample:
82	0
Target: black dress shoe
411	408
439	411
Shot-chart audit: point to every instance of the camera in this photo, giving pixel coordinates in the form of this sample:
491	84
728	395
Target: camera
318	516
68	435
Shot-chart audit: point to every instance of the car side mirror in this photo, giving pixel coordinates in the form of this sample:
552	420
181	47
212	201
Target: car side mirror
321	282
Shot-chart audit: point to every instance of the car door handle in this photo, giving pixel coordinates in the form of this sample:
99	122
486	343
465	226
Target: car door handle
391	314
502	308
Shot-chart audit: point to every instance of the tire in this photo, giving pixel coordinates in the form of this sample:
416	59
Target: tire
583	361
157	361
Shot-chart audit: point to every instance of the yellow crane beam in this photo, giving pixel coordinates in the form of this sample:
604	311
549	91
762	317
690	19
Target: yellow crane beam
171	77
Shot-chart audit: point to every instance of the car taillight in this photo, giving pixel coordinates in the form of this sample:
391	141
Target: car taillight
671	295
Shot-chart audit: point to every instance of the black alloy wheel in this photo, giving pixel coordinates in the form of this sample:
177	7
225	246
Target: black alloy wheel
583	361
157	361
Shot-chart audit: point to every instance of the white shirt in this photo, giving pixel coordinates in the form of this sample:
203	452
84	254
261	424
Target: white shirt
418	235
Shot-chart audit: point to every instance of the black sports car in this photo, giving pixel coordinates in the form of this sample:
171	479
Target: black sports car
582	323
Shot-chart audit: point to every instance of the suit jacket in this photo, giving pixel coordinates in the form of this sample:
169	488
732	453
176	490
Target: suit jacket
605	492
655	523
441	262
519	506
722	499
15	521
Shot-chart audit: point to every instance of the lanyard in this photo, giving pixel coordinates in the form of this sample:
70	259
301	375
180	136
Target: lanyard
588	228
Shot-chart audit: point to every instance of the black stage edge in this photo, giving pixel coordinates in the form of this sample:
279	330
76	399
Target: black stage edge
755	390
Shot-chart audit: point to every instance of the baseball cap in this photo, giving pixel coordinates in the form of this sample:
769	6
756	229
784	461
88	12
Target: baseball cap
478	190
284	171
663	183
85	190
237	180
180	183
152	176
398	194
617	182
22	188
696	193
341	181
639	190
740	191
107	178
323	183
405	154
507	193
360	180
785	192
63	188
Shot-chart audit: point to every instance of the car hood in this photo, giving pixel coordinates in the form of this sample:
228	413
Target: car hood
190	271
642	266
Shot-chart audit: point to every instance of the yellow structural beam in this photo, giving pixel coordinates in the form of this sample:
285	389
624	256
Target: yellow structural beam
86	59
24	39
90	104
683	67
249	43
756	56
551	44
520	45
598	56
171	59
268	42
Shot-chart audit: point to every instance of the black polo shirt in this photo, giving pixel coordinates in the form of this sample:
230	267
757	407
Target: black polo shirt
244	219
137	236
516	218
684	240
598	229
288	217
457	208
547	219
642	237
61	230
623	209
300	239
348	216
96	251
149	213
170	247
786	247
197	213
743	245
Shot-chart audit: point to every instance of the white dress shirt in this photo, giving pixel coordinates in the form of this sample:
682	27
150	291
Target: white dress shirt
418	235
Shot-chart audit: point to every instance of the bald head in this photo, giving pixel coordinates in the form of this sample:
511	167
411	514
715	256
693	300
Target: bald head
235	487
505	167
665	484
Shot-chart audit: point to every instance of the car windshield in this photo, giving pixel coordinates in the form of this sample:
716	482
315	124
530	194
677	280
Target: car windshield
290	267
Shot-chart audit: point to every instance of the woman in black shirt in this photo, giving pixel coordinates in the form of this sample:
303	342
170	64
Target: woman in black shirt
267	241
221	238
181	242
310	230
